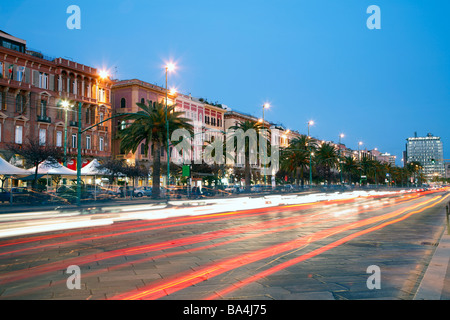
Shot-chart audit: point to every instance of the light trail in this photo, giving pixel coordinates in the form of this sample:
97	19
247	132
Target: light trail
162	288
314	253
176	222
61	265
96	219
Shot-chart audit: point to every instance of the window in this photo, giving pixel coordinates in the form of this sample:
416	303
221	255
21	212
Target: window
19	103
18	137
101	95
88	142
143	100
101	144
123	103
88	115
43	80
100	116
20	73
43	108
0	131
59	138
74	140
42	136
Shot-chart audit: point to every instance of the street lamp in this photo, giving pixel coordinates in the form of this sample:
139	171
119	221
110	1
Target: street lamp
340	162
360	167
169	67
310	123
265	106
66	106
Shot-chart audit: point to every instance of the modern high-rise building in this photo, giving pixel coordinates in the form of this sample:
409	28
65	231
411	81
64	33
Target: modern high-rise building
429	151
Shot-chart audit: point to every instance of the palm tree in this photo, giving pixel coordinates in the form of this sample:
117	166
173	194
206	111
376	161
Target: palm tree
350	166
245	126
326	157
149	127
295	158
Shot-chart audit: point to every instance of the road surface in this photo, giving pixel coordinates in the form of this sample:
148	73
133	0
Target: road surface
354	247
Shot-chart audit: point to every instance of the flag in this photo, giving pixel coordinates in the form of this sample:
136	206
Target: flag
10	70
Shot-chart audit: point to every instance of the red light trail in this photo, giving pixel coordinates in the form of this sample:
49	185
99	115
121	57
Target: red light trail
163	288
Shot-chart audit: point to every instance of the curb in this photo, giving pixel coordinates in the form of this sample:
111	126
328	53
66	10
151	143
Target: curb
432	285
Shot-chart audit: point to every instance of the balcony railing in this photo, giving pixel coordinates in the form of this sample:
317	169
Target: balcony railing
44	119
73	123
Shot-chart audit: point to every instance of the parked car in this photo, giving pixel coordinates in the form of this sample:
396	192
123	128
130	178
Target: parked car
143	191
5	195
23	195
125	192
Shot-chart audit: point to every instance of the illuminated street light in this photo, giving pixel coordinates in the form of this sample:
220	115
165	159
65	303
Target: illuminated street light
66	106
339	155
169	68
265	106
103	74
310	123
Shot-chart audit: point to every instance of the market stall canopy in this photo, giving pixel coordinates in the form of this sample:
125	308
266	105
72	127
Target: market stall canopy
7	168
93	169
47	167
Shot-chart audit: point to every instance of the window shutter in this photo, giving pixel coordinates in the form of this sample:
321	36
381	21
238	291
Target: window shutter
27	75
51	84
35	78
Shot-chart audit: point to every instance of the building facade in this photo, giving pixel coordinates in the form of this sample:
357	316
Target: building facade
32	89
429	152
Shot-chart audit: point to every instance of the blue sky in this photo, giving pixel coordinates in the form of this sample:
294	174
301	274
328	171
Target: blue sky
311	60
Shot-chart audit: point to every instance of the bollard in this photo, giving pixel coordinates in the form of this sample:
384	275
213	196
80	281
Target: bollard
448	224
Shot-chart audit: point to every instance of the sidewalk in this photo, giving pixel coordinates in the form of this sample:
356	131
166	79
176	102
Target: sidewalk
435	284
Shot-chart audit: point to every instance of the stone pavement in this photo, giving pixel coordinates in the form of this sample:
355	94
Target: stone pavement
435	284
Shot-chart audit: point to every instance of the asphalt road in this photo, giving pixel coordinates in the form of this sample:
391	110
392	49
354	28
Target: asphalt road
371	247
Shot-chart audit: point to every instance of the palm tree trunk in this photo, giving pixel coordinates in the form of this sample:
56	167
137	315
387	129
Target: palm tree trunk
156	170
247	174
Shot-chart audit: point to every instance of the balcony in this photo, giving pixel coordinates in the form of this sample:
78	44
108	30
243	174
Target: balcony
44	119
102	128
73	123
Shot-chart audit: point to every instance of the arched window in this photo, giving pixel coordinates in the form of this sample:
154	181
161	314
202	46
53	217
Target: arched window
123	103
143	100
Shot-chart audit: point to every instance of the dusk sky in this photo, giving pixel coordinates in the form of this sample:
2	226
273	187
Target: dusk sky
311	60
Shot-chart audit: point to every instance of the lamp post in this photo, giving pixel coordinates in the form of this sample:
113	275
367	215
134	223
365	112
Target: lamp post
339	156
310	154
169	67
360	167
65	105
79	156
265	106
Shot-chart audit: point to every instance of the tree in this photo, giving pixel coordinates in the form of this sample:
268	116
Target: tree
350	167
414	168
326	158
133	171
149	128
113	167
295	158
246	127
34	153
